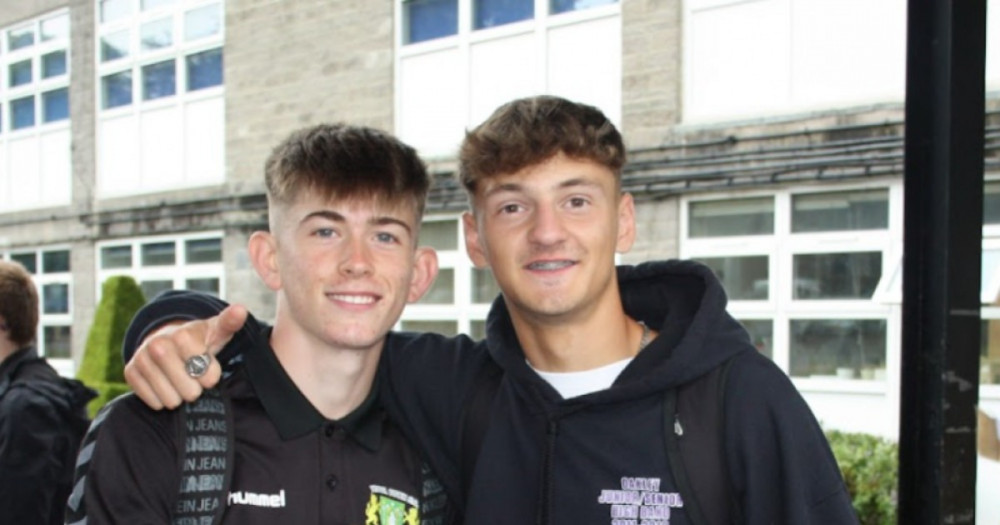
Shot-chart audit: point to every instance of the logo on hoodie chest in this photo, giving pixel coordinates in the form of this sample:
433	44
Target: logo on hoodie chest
638	501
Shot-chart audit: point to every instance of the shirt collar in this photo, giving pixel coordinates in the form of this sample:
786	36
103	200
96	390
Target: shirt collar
292	414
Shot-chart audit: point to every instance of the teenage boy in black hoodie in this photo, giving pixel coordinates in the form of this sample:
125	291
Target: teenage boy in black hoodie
578	354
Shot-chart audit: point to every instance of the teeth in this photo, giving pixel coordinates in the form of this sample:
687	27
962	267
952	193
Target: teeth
549	265
354	299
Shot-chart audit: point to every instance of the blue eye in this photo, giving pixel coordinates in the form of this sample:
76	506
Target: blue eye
386	237
323	232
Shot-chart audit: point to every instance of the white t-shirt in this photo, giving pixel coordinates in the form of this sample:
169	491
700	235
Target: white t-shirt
573	384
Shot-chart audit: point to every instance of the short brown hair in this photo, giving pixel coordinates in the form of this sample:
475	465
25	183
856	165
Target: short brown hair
342	161
18	302
530	130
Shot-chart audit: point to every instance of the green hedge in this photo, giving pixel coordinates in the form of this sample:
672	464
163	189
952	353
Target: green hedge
869	465
102	367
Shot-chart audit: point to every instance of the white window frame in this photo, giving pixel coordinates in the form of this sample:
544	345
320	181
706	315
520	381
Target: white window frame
38	86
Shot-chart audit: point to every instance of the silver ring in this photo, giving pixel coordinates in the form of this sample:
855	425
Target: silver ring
196	366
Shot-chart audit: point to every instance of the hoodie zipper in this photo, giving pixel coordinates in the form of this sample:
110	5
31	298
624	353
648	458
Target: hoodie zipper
544	511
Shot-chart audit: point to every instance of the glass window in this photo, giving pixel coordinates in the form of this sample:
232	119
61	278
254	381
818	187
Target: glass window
561	6
989	352
117	89
202	22
153	4
491	13
156	34
988	278
440	235
20	73
151	289
844	348
114	9
836	275
28	260
55	105
731	217
159	80
443	289
484	286
429	19
57	340
204	69
203	251
20	38
477	329
114	46
991	203
55	27
743	278
55	261
55	298
159	254
845	210
22	113
116	257
207	285
54	64
448	328
761	334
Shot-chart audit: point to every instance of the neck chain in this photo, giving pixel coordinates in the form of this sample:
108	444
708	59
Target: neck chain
644	340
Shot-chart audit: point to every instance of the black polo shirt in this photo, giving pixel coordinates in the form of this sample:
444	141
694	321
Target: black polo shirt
291	465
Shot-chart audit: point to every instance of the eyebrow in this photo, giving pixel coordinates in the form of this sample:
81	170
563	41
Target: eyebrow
382	220
516	187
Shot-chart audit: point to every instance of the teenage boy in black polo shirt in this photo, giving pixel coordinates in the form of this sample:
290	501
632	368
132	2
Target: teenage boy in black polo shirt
312	444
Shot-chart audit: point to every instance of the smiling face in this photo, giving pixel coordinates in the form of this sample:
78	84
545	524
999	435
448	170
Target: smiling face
550	232
343	269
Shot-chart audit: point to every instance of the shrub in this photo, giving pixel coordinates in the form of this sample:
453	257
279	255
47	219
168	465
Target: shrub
102	367
869	466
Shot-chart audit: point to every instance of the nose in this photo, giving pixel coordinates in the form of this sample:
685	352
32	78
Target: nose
547	227
357	259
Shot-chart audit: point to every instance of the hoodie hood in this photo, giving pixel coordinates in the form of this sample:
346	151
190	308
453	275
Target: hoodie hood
682	300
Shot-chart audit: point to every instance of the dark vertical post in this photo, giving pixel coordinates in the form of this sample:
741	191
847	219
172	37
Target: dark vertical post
941	260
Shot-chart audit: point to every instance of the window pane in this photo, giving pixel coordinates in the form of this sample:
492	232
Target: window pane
114	46
429	19
837	275
156	34
55	262
202	22
743	278
27	260
22	113
153	4
991	203
760	331
57	342
845	210
20	73
151	289
55	299
443	289
477	330
54	64
20	38
845	348
55	27
204	69
731	217
439	327
55	105
117	89
159	80
561	6
440	235
490	13
203	251
158	254
207	285
115	9
116	257
484	286
989	352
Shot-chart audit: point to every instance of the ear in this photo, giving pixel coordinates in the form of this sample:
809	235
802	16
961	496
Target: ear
263	250
626	223
473	246
425	270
